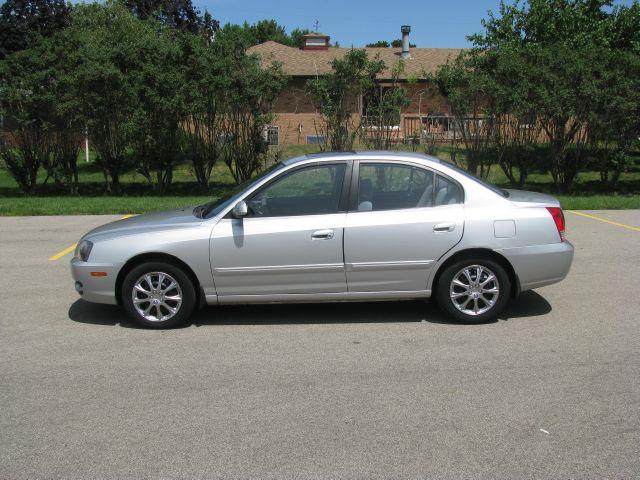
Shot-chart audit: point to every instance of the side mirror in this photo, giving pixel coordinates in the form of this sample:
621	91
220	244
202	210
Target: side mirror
240	210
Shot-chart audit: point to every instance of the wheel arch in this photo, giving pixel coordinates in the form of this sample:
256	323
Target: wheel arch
482	253
157	257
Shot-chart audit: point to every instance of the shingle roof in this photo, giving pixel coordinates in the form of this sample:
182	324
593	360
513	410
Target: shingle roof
306	63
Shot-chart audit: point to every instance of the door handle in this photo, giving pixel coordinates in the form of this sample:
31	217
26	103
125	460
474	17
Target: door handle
326	234
444	227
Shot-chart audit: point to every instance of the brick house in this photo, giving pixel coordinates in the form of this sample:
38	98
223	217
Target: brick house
296	118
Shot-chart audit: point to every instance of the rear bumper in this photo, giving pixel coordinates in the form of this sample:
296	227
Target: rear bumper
540	265
92	288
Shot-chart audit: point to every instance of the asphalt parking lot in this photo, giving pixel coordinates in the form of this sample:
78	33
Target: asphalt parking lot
551	390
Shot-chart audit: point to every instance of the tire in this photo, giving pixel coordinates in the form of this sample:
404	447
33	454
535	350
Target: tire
484	302
169	306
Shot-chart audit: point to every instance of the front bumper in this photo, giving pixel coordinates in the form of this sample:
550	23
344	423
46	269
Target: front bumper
97	289
540	265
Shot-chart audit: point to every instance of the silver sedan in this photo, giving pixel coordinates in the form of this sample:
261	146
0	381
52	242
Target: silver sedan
356	226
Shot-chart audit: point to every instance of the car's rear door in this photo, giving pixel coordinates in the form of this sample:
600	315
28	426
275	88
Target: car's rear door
292	240
402	218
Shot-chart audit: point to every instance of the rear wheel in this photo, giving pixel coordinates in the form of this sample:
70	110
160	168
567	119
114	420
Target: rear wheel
473	290
158	295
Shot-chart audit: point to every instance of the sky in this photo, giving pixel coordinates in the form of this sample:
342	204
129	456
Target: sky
434	23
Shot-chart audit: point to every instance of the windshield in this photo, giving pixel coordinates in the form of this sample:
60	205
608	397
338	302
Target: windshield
484	183
212	208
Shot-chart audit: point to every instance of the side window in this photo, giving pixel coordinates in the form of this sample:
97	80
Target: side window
308	191
390	186
446	192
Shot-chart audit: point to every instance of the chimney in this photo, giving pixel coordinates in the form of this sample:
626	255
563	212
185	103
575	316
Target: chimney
405	29
316	41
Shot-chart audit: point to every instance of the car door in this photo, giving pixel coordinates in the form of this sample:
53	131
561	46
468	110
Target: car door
402	218
291	240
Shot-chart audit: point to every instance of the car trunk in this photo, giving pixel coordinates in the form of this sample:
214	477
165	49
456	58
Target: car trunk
524	198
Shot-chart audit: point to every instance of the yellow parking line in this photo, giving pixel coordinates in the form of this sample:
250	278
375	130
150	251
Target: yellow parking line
70	249
64	252
600	219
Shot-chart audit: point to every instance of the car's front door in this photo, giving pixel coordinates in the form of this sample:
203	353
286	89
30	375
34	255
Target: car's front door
291	241
403	217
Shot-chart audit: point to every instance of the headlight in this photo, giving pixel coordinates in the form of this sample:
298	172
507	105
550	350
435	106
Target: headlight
83	250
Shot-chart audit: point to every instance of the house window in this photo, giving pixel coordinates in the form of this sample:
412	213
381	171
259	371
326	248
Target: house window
316	139
272	135
315	42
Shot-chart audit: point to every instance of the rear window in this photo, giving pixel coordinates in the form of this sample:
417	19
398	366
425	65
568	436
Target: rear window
493	188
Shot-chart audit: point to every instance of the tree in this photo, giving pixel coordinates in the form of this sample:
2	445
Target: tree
203	137
24	86
67	122
381	109
209	27
397	43
41	113
179	14
296	38
614	127
379	44
268	30
229	99
551	56
132	85
335	95
251	91
471	94
263	31
110	40
23	21
158	84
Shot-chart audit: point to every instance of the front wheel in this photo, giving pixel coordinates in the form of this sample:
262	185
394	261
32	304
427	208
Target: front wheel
473	290
158	295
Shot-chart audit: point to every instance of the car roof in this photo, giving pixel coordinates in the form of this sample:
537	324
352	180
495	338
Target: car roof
374	154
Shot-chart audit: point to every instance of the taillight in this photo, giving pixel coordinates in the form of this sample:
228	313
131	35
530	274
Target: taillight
558	217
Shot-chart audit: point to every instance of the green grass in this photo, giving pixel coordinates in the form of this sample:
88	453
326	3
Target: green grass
599	202
139	197
93	205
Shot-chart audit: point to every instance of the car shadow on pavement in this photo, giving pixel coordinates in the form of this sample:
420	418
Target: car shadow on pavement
529	304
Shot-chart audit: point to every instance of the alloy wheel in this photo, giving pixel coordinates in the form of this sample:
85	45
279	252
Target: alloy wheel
157	296
474	290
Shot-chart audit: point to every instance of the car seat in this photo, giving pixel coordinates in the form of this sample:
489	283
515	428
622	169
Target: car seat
365	195
426	200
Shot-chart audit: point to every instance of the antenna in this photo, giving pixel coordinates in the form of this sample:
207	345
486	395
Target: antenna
316	26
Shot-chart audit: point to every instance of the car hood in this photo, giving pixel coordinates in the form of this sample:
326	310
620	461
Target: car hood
149	222
524	198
